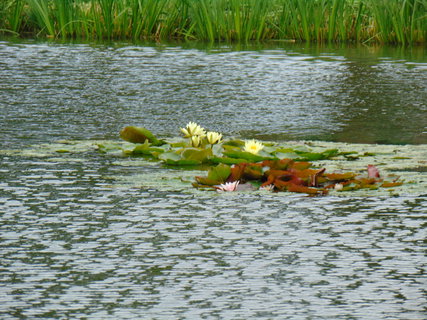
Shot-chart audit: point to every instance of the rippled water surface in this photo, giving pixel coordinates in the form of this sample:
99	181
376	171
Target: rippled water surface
79	240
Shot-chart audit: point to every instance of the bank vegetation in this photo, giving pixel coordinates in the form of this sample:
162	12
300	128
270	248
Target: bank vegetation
381	21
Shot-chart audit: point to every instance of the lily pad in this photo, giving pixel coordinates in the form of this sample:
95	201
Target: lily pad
246	155
314	156
226	160
200	155
146	149
139	135
174	159
216	175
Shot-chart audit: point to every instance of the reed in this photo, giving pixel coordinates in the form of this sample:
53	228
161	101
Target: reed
382	21
399	21
66	17
230	20
174	20
40	11
12	11
146	18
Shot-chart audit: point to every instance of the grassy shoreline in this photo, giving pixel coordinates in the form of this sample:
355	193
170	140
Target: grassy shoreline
362	21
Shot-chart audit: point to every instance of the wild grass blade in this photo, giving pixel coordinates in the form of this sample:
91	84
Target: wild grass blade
42	12
106	25
16	18
386	21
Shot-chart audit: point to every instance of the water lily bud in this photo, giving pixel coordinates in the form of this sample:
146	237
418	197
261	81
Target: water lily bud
196	141
213	137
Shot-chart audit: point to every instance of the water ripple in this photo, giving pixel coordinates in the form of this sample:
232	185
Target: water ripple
78	242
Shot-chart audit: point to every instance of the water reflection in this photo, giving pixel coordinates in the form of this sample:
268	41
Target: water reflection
282	91
383	102
76	245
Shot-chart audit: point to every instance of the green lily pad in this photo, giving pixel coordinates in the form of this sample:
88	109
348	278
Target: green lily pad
246	155
227	160
147	150
220	173
234	143
201	155
174	159
181	144
216	175
139	135
314	156
287	155
182	162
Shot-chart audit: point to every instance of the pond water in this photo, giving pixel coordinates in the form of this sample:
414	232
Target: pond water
82	235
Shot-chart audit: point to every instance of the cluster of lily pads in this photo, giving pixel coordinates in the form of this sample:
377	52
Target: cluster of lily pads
249	165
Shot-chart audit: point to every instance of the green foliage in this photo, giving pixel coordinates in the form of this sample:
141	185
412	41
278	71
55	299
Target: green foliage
139	135
229	20
227	153
399	21
12	11
245	156
40	10
221	172
391	21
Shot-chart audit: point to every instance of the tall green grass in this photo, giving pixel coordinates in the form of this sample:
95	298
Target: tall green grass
383	21
12	20
323	20
240	20
399	21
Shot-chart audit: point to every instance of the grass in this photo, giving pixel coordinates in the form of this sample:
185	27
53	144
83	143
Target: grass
400	21
230	20
382	21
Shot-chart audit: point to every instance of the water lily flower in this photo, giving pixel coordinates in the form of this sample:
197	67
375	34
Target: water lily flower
193	129
269	187
338	186
228	186
373	171
196	141
213	137
253	146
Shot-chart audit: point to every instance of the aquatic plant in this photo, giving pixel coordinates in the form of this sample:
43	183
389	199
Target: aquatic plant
193	129
399	21
384	21
238	165
227	187
12	11
253	146
240	20
213	137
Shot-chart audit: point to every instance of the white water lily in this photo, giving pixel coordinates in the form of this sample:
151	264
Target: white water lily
193	129
196	141
338	186
253	146
213	137
227	187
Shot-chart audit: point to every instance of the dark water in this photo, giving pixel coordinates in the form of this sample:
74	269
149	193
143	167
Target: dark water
76	243
373	95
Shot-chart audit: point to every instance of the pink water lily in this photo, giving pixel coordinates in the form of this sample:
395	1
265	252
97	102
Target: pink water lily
373	171
228	186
